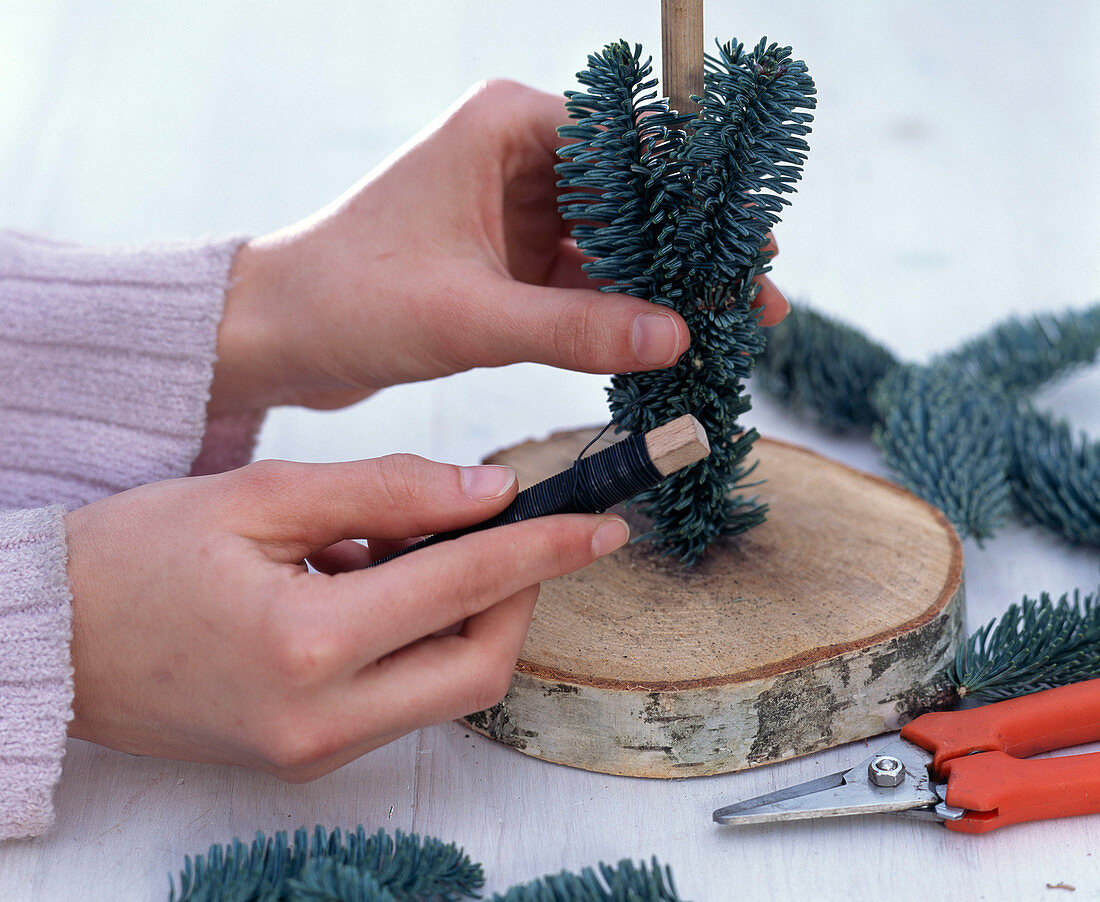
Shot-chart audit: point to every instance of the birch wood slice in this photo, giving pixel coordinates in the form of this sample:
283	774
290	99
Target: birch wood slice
833	621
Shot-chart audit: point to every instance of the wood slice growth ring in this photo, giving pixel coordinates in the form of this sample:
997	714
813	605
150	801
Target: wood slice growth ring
833	621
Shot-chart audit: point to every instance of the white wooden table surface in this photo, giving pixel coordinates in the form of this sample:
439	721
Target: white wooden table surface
953	180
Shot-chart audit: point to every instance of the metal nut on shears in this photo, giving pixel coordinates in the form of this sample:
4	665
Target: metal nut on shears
886	770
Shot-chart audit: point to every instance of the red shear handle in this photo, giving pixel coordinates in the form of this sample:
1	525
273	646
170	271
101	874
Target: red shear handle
997	789
1053	719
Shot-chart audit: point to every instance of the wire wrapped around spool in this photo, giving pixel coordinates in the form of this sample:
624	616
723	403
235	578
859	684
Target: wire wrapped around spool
595	483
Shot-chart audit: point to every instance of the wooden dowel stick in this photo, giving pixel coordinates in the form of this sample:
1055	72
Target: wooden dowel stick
682	52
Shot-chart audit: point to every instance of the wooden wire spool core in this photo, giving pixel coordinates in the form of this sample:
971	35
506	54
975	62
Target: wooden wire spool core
833	621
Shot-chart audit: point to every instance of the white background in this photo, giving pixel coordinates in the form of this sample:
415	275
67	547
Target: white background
952	181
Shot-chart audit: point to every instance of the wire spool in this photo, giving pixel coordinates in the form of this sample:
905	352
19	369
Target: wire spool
593	484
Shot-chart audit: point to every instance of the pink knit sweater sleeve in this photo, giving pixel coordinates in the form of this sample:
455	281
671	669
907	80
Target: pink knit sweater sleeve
106	359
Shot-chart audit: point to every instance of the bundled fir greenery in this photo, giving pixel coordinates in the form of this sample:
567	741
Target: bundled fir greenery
1038	644
676	210
960	432
357	867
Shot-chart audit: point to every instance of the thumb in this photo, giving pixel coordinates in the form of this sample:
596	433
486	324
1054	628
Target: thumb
300	508
573	328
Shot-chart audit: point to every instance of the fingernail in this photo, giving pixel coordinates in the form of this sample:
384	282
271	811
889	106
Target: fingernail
609	535
488	482
656	339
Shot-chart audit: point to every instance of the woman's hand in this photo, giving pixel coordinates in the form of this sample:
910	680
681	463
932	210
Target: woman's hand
451	255
199	633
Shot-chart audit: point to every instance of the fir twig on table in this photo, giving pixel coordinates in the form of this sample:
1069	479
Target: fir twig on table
1037	644
1021	354
959	432
403	867
626	882
330	881
357	867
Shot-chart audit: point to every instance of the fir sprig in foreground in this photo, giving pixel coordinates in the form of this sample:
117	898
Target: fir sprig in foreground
628	882
1037	644
362	867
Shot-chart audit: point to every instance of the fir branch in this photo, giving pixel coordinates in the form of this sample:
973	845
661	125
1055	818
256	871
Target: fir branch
1036	645
819	364
406	867
944	437
1020	355
236	873
1055	481
625	882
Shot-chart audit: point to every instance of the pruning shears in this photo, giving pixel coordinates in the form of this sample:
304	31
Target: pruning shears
968	769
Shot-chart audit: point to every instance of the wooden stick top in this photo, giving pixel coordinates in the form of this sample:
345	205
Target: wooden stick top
682	52
677	444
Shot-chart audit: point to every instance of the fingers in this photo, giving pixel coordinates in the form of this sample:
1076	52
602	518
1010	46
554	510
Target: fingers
432	588
383	548
446	677
428	678
775	305
566	328
583	330
771	248
299	509
567	272
351	555
519	113
427	682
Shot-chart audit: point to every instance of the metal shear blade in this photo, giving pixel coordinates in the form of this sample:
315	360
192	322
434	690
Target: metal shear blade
849	792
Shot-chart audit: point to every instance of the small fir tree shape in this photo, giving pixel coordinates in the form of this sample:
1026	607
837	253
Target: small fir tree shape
676	210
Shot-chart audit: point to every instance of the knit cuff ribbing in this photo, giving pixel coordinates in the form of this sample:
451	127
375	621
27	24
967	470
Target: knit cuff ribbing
106	361
35	669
